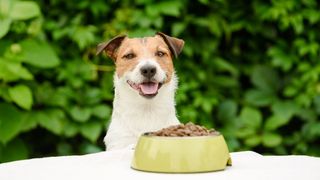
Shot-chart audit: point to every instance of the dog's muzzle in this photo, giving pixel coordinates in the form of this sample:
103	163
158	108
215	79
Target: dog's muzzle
147	89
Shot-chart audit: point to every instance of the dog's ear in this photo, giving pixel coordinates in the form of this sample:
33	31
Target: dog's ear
111	46
175	44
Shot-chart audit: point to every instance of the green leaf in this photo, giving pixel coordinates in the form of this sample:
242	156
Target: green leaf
206	123
5	26
52	120
206	2
271	139
259	98
297	23
281	58
39	54
170	8
307	114
141	32
84	36
10	122
312	15
23	10
283	112
64	149
311	130
87	148
141	19
245	132
28	121
265	78
6	6
101	111
91	130
251	117
178	28
317	103
70	129
80	114
227	110
253	141
233	144
224	65
207	106
225	81
5	44
59	97
22	96
12	71
285	109
214	25
6	73
92	96
14	150
275	122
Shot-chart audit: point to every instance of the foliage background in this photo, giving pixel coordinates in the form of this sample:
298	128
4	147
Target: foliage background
250	69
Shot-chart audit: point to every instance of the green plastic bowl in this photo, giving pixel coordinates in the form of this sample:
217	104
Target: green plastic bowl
181	154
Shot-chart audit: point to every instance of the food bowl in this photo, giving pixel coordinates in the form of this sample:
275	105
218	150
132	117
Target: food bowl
181	154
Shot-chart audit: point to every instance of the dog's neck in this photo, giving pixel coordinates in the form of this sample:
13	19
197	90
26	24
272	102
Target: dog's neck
141	114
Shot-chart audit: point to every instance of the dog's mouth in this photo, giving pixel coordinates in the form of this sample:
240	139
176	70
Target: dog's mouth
147	89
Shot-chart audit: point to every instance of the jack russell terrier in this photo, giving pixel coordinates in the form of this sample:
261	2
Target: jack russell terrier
145	84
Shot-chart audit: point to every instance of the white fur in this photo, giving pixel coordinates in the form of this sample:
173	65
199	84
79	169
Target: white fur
134	114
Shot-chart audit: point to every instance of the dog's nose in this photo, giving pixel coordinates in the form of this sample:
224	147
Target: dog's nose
148	71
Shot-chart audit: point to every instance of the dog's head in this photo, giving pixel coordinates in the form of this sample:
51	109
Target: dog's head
143	64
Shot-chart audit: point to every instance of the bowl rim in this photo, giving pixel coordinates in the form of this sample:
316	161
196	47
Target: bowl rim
145	135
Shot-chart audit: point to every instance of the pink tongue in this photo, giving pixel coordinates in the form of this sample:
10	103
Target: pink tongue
149	88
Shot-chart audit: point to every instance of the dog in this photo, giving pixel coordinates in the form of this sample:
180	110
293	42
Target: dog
144	84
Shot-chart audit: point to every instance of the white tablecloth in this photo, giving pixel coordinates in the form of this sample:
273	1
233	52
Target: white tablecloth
116	165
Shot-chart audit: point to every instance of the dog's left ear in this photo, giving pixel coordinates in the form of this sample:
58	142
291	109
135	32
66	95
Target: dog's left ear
111	46
175	44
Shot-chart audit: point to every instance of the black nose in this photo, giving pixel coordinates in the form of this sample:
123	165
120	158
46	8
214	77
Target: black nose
148	71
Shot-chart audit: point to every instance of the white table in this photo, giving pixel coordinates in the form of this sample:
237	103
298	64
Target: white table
116	165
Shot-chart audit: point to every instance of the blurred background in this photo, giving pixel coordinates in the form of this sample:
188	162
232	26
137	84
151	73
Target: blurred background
249	69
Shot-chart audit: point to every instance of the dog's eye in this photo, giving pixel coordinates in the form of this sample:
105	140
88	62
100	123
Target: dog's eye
129	56
160	53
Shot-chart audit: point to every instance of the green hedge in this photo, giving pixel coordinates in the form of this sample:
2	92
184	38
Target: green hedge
250	69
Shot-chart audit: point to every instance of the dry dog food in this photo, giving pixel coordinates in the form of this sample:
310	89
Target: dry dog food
183	130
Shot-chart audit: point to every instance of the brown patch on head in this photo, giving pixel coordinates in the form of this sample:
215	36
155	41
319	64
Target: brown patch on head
165	61
128	56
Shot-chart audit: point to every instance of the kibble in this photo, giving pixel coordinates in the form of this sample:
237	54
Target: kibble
184	130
